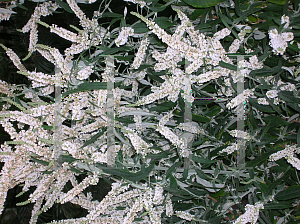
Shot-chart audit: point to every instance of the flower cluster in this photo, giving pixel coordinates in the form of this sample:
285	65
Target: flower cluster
240	134
5	14
45	153
278	41
123	36
45	9
140	55
240	99
289	154
230	149
251	214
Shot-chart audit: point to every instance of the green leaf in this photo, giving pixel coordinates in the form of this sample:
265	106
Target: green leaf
202	175
199	118
266	71
289	193
136	112
253	8
165	106
286	175
281	205
298	138
111	14
65	6
143	174
252	122
197	191
89	86
172	168
39	161
202	3
263	108
196	14
163	22
140	28
229	66
22	6
158	9
76	170
288	96
68	158
277	2
275	121
202	160
46	127
213	111
124	120
173	182
121	58
110	51
259	160
94	138
47	172
157	156
265	130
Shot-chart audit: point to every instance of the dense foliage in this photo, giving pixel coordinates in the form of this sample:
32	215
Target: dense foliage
176	111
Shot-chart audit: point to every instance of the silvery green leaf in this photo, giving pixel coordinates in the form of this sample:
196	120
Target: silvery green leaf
181	184
125	12
209	185
121	138
24	104
143	81
96	53
135	112
144	125
124	103
6	11
258	35
289	69
226	206
119	79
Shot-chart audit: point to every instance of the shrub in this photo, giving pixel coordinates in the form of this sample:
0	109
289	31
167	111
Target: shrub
189	109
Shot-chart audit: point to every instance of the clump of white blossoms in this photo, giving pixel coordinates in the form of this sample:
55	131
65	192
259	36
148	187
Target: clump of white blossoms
286	21
136	195
251	214
289	154
272	94
123	36
5	14
241	98
85	73
230	149
278	41
184	215
240	134
193	49
140	55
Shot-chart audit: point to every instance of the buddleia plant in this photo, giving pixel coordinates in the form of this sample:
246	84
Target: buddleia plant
188	110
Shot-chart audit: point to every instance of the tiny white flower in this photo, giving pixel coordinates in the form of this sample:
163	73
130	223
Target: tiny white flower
262	101
272	94
285	20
